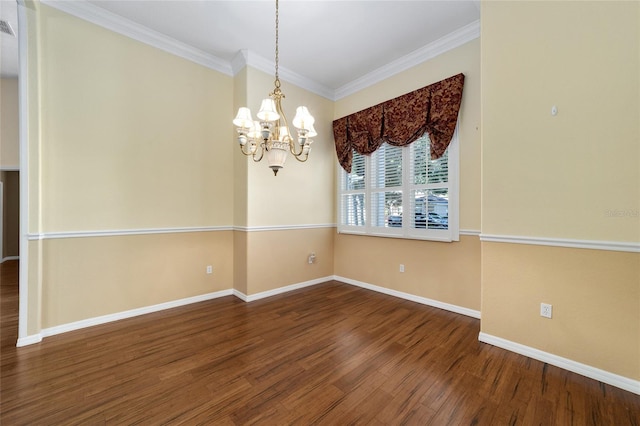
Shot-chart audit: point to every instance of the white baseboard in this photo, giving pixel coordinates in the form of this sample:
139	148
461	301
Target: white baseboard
567	364
29	340
418	299
89	322
130	313
5	259
280	290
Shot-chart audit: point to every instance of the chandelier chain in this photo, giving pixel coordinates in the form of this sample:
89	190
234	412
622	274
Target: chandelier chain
277	82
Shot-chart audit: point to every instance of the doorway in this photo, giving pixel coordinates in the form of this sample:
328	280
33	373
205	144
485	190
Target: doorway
10	213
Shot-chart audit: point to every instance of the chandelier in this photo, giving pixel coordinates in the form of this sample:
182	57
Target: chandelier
269	136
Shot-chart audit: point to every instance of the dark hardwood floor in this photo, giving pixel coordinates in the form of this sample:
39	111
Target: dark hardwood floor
329	354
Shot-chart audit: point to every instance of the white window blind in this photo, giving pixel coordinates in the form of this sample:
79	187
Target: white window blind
430	188
402	192
352	191
386	185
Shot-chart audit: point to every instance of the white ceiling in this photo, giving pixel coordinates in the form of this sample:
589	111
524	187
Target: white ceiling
331	43
8	44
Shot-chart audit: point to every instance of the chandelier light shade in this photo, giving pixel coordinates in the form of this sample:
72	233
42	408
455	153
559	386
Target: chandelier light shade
269	136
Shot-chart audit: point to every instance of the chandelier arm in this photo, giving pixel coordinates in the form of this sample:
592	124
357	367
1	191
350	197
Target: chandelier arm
292	148
300	158
262	149
245	152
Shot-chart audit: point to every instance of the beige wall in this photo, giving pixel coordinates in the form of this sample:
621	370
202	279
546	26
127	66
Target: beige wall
240	162
547	176
10	214
89	277
302	193
279	258
558	177
132	133
33	108
122	136
34	292
240	261
446	272
240	190
595	296
453	269
33	286
126	137
9	139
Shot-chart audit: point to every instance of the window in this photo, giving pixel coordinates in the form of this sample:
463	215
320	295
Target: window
401	192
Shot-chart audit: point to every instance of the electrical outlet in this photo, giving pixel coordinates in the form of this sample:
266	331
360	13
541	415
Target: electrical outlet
209	269
312	258
401	267
546	310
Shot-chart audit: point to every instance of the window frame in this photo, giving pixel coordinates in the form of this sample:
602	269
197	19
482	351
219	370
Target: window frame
406	231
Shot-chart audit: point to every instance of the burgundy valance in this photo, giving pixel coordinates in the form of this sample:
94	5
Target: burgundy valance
402	120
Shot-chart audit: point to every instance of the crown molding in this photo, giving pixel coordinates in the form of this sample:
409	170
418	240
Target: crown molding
239	61
111	21
246	57
123	26
450	41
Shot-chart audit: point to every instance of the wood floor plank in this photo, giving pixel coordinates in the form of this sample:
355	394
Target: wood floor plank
328	354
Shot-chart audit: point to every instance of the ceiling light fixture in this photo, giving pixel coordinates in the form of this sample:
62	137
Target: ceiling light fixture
270	135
